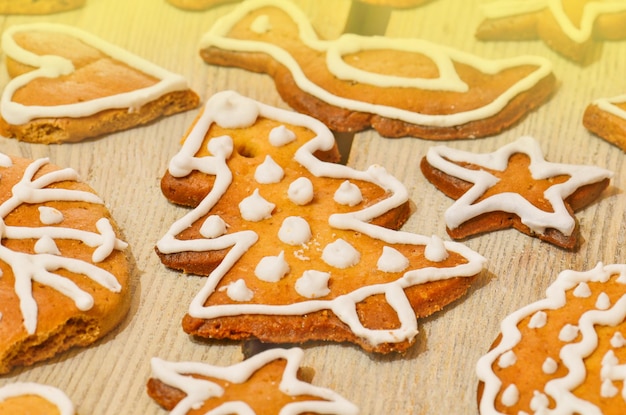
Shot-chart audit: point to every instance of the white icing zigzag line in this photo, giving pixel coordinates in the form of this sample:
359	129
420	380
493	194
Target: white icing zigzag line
609	105
49	66
591	11
538	220
218	109
441	56
555	298
39	267
49	393
178	375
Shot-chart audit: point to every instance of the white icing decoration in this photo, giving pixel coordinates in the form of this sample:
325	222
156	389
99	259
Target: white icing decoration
618	340
539	402
340	254
300	191
272	268
254	208
466	207
392	260
198	390
261	24
51	66
268	171
507	359
435	250
49	215
46	245
443	57
348	194
230	107
576	31
294	231
213	227
549	366
41	266
510	396
610	105
568	333
603	302
538	320
238	291
281	135
313	284
49	393
582	290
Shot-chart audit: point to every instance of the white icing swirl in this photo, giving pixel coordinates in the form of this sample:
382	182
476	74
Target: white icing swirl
348	194
300	191
254	208
272	268
313	284
268	171
340	254
294	231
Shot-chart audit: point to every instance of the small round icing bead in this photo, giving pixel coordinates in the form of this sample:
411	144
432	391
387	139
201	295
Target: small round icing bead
340	254
268	172
238	291
348	194
213	227
254	208
392	260
294	231
313	284
300	191
281	135
272	268
49	215
435	250
261	24
46	245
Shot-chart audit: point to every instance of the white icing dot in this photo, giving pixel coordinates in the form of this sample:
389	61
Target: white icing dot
510	396
348	194
313	284
603	302
281	135
582	290
300	191
538	320
238	291
549	366
5	161
294	231
46	245
213	227
272	268
231	110
268	171
254	208
539	401
507	359
618	340
435	250
340	254
568	333
261	24
49	215
221	146
608	389
392	260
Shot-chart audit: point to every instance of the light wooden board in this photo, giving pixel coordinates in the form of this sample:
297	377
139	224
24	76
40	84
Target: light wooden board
437	376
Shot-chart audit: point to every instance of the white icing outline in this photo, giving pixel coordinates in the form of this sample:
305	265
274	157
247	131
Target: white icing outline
591	11
571	354
52	66
178	375
442	56
40	267
344	306
465	208
51	394
610	105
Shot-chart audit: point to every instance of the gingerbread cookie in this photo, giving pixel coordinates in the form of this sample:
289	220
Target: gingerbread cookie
513	187
69	85
64	277
194	387
297	248
564	354
198	4
606	117
39	6
34	398
571	28
400	87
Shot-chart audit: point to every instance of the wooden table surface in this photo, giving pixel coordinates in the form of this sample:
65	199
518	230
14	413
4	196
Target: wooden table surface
437	376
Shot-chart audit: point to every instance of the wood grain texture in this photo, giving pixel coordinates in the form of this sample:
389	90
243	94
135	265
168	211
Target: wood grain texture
436	376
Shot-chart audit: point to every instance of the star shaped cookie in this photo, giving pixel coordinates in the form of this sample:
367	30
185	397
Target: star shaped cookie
513	187
268	382
568	27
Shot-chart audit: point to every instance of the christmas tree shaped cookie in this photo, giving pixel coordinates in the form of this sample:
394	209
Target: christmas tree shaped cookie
269	382
400	87
64	275
297	248
564	354
69	85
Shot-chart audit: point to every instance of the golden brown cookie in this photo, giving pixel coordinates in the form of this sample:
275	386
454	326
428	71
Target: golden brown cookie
513	187
606	117
198	4
34	398
64	272
297	248
573	28
39	6
563	354
400	87
270	382
69	85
